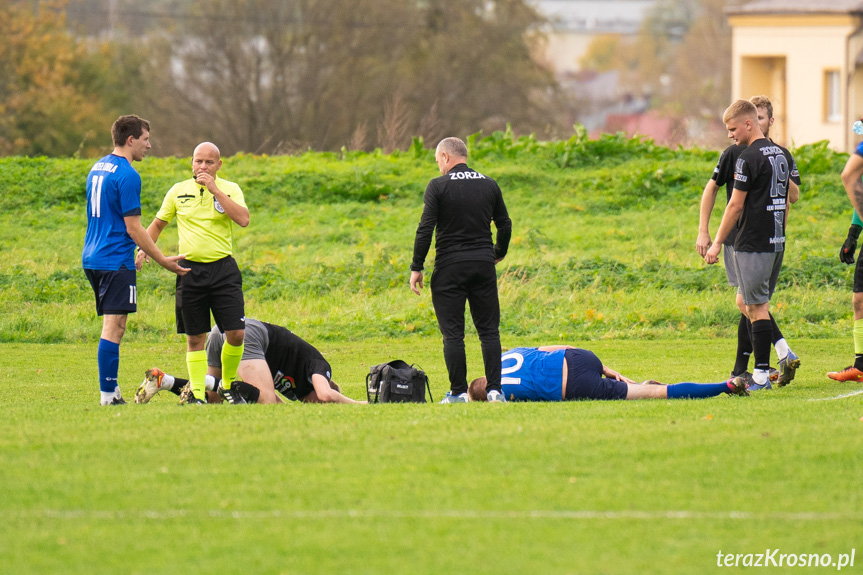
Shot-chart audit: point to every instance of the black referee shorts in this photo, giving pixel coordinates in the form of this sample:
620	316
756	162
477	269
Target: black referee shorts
210	287
858	274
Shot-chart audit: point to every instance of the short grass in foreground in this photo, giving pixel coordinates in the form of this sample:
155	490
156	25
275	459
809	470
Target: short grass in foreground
591	487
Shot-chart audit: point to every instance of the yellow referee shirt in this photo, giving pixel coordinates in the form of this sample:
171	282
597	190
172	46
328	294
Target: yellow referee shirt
206	232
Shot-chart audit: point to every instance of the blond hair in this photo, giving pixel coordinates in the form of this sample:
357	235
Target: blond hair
763	102
739	109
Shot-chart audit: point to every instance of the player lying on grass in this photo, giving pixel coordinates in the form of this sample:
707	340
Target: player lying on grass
563	373
274	359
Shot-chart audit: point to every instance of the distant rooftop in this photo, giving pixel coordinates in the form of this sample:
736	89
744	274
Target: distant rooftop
799	7
595	16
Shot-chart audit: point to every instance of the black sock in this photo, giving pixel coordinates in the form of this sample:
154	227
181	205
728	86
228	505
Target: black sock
762	333
179	384
858	361
249	392
744	346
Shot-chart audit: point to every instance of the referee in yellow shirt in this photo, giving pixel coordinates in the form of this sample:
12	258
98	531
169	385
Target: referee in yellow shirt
206	208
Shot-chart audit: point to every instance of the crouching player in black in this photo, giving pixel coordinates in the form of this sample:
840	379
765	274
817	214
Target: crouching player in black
563	373
274	359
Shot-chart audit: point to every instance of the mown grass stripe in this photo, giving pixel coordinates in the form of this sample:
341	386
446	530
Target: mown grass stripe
428	514
843	396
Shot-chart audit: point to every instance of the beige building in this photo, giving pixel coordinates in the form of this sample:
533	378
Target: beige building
807	56
574	24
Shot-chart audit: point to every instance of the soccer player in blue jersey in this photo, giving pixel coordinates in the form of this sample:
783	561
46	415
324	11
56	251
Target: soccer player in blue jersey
564	373
113	229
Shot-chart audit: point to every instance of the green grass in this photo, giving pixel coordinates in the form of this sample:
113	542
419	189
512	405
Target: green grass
603	244
589	487
602	256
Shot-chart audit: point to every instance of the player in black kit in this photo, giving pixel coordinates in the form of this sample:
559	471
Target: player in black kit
274	359
458	208
723	175
763	182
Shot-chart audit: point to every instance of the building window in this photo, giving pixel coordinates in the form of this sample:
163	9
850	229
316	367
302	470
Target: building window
832	96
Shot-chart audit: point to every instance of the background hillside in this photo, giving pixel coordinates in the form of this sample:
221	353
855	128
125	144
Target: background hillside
603	244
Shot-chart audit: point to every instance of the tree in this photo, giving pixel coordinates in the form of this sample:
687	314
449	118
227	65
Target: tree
681	57
50	102
266	76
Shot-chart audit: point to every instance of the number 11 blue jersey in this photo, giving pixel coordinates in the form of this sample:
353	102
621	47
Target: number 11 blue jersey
113	192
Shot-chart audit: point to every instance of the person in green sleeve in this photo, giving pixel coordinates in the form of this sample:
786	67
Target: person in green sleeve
851	179
206	208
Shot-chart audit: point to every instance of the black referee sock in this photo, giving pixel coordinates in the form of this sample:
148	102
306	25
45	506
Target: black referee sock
744	346
858	361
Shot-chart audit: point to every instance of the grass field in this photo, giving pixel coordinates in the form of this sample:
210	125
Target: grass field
602	256
591	487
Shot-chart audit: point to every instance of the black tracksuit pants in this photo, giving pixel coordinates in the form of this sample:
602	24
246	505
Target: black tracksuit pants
475	282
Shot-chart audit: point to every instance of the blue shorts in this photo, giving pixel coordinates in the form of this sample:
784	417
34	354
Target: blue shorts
584	378
116	291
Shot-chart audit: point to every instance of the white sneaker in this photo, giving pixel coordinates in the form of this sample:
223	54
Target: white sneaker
494	396
460	398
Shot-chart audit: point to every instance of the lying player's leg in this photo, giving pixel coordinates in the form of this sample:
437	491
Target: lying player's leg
735	386
256	372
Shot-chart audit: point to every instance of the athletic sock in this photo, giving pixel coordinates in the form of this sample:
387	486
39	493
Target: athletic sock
781	348
761	340
177	386
210	383
249	392
108	357
858	344
231	356
196	362
168	382
696	390
744	346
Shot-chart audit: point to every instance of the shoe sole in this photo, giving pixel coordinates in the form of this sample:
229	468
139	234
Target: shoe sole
740	387
790	370
839	378
141	394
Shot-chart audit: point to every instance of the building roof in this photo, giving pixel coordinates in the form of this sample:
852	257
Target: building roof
799	7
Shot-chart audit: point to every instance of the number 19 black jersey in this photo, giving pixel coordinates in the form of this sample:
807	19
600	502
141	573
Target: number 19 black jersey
763	171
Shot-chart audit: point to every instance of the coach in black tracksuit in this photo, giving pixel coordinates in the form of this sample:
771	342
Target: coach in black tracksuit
460	205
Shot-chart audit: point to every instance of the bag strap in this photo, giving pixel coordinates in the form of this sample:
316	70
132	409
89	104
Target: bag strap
377	389
428	386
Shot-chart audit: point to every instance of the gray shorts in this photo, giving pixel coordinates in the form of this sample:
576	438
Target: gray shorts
256	342
728	260
757	274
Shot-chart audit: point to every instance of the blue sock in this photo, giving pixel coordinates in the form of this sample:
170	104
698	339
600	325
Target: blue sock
109	365
696	390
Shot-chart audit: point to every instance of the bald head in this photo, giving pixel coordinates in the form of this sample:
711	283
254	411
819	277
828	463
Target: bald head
206	159
209	146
